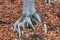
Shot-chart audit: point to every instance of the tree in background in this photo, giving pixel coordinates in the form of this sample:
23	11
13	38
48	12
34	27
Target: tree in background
48	1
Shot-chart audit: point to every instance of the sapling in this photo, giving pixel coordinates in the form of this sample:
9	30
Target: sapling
29	14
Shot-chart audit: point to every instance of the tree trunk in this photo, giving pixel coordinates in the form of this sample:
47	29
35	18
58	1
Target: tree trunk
28	11
28	7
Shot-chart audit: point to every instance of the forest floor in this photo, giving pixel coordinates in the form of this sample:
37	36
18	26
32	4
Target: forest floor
10	11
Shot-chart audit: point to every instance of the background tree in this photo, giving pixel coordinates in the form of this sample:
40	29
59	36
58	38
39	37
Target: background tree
48	1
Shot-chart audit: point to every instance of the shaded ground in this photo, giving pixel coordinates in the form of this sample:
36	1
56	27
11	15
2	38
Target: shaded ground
11	10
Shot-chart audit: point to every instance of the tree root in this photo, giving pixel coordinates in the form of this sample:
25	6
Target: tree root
27	20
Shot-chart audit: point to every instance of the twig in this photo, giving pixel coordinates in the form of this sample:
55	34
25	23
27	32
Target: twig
2	22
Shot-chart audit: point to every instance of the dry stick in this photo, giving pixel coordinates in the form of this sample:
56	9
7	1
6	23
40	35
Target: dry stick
48	23
2	22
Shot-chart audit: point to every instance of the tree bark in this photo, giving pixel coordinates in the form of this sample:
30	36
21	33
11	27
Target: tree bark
28	7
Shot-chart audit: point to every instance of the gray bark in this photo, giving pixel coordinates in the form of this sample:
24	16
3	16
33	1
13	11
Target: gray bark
28	7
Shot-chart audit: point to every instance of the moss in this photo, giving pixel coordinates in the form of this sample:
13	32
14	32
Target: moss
34	23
